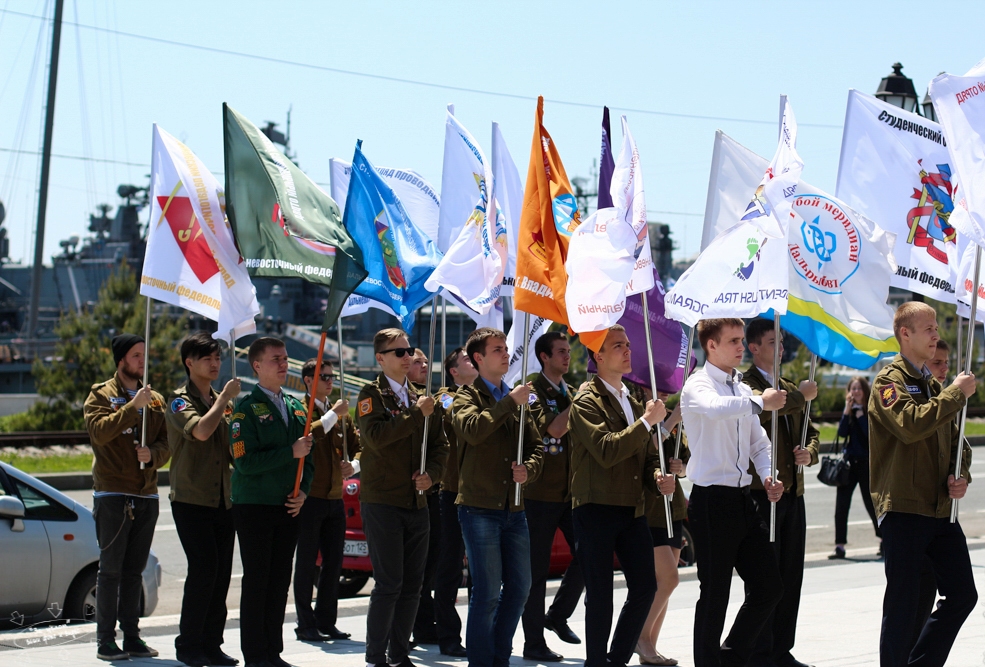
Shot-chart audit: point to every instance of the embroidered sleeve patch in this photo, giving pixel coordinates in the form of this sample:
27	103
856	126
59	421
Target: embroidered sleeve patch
178	404
300	413
888	395
239	449
238	415
235	429
365	406
446	401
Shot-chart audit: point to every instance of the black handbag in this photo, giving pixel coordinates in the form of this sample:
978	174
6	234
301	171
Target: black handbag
835	470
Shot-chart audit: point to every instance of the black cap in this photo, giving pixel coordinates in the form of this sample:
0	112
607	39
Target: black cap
122	344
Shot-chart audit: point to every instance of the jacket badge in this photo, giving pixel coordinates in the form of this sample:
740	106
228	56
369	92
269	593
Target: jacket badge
300	413
239	449
178	404
365	406
260	409
532	399
117	402
235	430
446	401
914	389
888	395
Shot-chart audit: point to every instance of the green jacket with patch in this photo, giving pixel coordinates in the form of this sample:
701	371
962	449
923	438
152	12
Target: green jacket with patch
788	431
913	438
201	470
554	483
654	504
391	437
488	433
264	467
443	403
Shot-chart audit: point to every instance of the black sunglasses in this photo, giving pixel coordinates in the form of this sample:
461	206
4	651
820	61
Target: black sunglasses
326	377
400	351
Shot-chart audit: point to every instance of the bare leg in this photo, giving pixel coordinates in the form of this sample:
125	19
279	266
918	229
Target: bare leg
665	561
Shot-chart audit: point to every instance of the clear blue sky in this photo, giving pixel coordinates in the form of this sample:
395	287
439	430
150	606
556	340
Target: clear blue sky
727	60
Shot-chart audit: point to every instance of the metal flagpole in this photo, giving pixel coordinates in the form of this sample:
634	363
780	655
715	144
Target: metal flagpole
143	419
424	444
957	347
687	374
807	410
232	351
444	339
967	369
523	406
345	444
775	418
653	390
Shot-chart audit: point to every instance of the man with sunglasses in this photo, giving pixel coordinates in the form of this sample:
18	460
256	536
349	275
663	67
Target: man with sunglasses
323	514
392	416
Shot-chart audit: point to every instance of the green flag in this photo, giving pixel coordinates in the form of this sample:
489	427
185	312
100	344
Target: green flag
284	224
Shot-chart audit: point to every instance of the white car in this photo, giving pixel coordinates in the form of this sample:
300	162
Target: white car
49	555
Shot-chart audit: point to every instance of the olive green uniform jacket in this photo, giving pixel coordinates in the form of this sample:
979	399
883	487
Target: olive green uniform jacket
611	460
554	483
788	431
201	470
115	429
913	438
654	507
326	452
391	437
488	434
444	401
264	467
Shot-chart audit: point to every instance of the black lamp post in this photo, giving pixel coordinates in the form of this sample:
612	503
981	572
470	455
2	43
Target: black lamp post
897	89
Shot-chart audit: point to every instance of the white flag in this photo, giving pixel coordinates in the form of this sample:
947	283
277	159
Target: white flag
187	263
895	170
770	208
509	199
965	285
538	326
735	172
472	267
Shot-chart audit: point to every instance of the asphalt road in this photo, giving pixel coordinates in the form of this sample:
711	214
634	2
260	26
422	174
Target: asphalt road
820	533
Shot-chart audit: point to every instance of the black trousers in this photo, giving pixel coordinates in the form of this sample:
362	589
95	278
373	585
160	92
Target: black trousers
859	476
600	531
777	639
322	528
448	574
729	534
424	622
207	536
124	531
543	520
398	544
268	536
907	540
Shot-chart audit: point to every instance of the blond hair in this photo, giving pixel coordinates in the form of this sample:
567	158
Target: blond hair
908	314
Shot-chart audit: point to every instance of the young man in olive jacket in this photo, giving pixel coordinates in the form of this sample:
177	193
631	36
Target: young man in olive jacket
392	420
613	458
323	513
548	503
487	422
267	439
125	500
201	482
913	445
777	639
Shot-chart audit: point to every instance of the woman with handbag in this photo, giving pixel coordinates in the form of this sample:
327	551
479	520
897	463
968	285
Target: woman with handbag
855	427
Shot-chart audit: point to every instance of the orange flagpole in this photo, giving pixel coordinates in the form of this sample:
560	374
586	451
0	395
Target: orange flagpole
311	409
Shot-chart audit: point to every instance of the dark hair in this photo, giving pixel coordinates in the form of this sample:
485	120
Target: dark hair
708	329
384	337
866	391
451	361
942	345
476	344
308	370
197	345
756	329
545	345
261	345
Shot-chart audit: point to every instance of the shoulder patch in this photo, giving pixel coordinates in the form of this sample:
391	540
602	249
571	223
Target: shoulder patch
238	415
239	449
888	395
300	413
532	399
365	406
178	404
234	429
446	401
260	409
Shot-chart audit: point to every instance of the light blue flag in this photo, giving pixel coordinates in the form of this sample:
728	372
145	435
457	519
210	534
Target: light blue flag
398	256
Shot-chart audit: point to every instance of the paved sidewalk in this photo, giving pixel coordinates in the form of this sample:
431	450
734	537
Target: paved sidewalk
839	626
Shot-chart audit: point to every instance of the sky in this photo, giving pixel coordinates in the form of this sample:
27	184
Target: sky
384	72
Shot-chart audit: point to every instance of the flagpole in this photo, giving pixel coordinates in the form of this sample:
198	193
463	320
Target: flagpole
143	419
523	406
807	410
967	369
424	444
957	347
345	443
775	418
232	351
311	408
687	374
444	338
653	389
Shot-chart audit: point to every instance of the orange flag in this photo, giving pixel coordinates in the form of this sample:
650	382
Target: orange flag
550	214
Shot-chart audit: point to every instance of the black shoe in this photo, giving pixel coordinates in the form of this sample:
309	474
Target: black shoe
561	629
455	651
309	635
138	648
406	663
541	654
110	651
790	661
262	663
219	659
838	554
192	658
333	632
277	661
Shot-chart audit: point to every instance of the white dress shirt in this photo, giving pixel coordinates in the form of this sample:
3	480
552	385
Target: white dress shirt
767	376
400	390
622	397
721	417
328	417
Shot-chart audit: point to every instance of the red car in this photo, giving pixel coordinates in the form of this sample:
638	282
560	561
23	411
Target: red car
357	569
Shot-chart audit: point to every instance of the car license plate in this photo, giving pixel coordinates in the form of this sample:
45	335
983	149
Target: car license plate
355	548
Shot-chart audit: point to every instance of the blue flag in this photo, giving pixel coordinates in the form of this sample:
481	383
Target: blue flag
398	256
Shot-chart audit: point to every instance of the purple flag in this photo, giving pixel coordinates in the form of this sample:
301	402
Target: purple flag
606	164
669	341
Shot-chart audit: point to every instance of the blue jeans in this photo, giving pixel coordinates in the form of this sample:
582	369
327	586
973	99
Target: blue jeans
498	546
